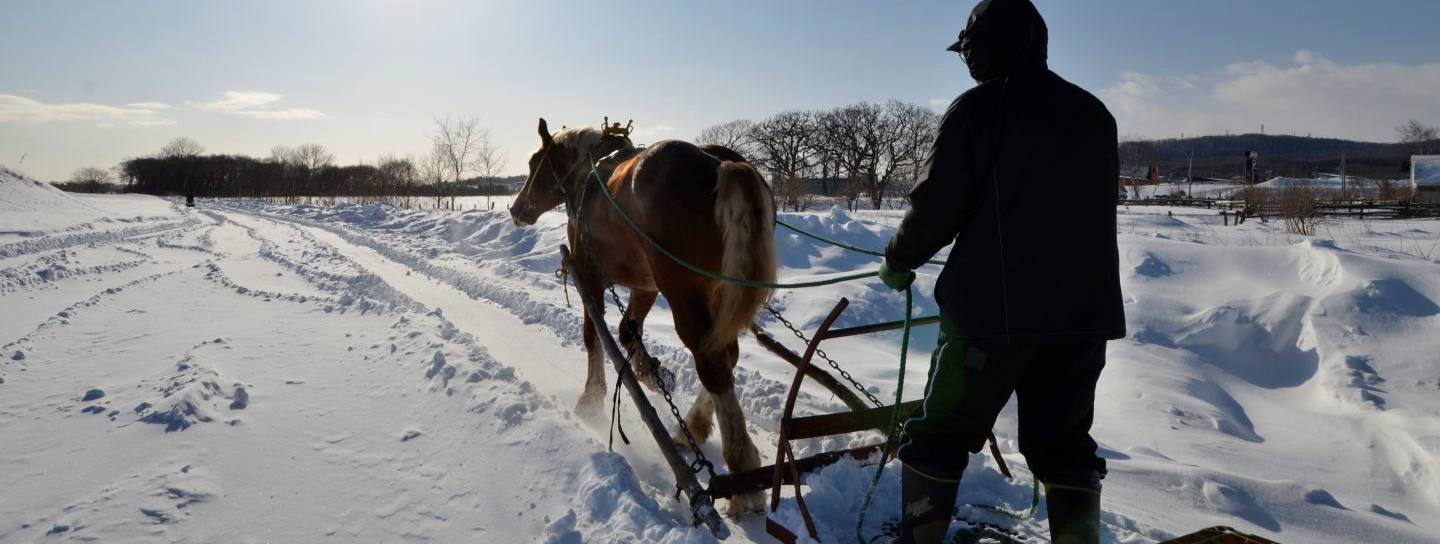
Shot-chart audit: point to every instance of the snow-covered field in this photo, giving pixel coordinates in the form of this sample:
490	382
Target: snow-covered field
243	372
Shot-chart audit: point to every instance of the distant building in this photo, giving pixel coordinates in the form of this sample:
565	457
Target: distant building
825	186
1148	175
1425	175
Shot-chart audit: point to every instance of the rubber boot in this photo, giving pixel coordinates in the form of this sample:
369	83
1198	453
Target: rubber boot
927	503
1074	514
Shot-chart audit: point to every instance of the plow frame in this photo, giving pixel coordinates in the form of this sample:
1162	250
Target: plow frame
788	469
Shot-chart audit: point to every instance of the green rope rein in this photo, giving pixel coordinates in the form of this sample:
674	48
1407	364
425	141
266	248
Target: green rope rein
894	418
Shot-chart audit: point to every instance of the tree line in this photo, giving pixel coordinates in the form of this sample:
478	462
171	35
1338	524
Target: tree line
867	150
463	161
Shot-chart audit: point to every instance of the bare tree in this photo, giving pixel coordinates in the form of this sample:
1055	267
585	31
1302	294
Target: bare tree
785	144
840	148
1298	208
1136	154
395	177
910	132
1189	167
464	146
1420	136
280	154
181	147
737	135
301	164
489	162
312	157
433	171
859	136
88	180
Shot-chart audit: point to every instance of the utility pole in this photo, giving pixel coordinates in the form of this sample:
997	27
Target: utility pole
1190	173
1344	181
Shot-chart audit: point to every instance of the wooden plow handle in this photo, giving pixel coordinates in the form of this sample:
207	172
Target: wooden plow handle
702	503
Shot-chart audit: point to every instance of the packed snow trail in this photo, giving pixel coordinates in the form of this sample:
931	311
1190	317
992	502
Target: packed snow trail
504	335
556	366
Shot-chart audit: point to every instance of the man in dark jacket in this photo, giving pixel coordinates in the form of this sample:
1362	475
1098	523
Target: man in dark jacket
1023	180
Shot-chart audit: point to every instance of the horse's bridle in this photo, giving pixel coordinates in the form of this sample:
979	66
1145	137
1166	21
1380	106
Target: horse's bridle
559	180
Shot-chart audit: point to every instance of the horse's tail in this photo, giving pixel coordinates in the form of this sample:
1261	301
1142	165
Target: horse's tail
745	212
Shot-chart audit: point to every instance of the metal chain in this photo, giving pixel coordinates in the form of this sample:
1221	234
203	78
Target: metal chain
821	353
700	463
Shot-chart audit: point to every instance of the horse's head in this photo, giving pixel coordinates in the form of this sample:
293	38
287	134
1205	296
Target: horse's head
559	167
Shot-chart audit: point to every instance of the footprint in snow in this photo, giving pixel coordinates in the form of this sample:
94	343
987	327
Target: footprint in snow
240	399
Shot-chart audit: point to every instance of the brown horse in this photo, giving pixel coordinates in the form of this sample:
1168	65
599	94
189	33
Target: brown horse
704	206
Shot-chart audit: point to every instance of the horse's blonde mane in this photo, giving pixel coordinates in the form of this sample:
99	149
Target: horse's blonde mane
580	138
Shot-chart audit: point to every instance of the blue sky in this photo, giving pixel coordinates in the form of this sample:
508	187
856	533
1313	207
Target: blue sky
92	82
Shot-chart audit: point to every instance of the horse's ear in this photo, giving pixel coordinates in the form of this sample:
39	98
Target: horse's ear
545	138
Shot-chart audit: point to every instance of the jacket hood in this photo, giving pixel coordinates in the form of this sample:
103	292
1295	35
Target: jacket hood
1003	38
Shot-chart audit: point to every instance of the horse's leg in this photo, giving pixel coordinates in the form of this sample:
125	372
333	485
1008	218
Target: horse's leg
592	400
693	323
700	419
632	328
740	453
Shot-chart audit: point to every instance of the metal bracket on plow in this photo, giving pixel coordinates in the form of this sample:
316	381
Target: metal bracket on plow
702	503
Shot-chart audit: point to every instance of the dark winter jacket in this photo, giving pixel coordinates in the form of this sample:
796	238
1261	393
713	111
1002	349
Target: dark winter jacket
1023	178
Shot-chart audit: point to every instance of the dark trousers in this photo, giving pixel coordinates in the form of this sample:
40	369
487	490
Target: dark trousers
970	383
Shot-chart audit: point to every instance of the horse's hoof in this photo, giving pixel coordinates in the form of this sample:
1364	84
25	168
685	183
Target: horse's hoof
745	504
590	407
680	442
701	432
651	373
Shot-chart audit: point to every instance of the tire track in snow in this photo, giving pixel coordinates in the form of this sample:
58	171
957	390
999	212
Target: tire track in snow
762	398
59	242
507	338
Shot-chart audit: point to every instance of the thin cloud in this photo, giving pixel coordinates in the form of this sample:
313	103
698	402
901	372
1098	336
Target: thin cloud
291	114
254	104
232	101
21	110
1311	95
149	106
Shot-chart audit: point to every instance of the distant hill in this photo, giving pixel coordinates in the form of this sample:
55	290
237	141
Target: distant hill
1280	155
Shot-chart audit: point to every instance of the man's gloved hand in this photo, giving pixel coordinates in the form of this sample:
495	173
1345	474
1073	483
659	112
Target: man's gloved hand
898	280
